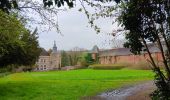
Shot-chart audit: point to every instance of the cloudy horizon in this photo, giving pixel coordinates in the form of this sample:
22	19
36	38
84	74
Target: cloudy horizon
77	32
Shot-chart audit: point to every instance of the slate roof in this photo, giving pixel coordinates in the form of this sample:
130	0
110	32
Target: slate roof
95	49
126	51
115	52
44	52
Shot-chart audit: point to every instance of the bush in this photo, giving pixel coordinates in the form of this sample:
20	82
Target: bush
107	66
4	71
163	86
143	65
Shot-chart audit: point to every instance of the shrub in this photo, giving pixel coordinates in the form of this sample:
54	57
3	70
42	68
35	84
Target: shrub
106	66
163	87
143	65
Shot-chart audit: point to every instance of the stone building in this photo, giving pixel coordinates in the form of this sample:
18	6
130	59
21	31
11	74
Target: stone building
49	61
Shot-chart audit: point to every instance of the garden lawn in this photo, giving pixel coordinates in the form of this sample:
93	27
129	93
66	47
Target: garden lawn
67	85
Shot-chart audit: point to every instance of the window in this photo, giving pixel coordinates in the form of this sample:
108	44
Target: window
44	60
41	60
44	67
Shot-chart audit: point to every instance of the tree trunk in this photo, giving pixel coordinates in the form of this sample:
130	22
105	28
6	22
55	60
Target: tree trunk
165	39
162	51
150	56
164	59
156	68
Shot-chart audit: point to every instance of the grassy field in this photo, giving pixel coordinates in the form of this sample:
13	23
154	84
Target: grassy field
66	85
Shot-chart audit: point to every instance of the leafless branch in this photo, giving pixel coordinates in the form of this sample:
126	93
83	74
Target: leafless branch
35	13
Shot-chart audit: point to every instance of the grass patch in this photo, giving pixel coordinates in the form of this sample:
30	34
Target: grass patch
66	85
107	66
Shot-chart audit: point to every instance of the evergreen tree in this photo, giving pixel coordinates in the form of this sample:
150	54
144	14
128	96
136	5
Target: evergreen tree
64	59
17	44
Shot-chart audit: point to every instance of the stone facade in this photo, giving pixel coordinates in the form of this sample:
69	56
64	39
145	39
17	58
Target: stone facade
48	61
43	63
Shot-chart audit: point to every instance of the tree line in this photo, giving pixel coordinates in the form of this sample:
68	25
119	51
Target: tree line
79	58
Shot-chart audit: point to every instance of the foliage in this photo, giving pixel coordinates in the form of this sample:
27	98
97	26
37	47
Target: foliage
45	9
31	47
162	92
70	58
49	51
74	57
86	59
7	5
66	85
142	65
107	66
17	44
148	21
58	3
64	59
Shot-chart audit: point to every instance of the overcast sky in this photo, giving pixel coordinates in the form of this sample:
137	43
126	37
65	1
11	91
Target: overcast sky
73	25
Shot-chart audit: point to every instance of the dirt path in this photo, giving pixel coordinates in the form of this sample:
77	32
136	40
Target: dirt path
136	92
143	91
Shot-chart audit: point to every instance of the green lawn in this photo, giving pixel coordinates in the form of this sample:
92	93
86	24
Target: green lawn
66	85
